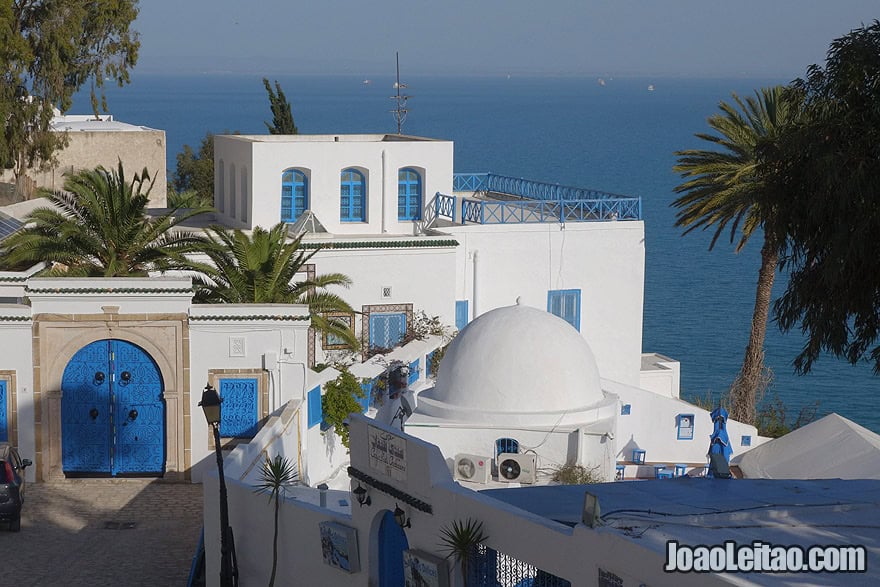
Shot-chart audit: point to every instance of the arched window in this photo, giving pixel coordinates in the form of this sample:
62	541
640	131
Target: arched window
352	191
409	194
294	194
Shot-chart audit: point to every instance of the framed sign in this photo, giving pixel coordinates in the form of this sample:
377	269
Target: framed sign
339	547
331	341
387	453
424	570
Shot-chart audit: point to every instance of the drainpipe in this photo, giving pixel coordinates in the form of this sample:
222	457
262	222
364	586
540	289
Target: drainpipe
474	293
384	175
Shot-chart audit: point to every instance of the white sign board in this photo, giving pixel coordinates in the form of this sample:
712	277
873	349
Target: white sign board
387	453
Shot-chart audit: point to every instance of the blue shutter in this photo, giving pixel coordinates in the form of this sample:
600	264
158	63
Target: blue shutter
239	413
316	413
387	330
409	195
461	314
294	195
367	388
566	303
4	426
352	189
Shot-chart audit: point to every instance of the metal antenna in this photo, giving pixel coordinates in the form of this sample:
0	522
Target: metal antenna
400	111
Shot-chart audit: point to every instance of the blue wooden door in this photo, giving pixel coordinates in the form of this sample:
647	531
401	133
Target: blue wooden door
4	423
392	543
112	412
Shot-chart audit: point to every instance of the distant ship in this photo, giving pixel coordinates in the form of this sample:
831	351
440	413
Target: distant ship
367	82
650	87
601	82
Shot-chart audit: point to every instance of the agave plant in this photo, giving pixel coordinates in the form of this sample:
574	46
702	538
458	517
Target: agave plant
460	541
276	475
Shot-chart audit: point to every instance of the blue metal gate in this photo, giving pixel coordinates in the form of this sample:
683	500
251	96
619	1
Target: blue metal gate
112	412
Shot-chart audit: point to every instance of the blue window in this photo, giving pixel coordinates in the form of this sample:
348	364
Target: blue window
239	416
506	445
352	190
387	330
625	409
461	314
566	303
413	372
4	427
315	411
409	194
367	388
685	426
429	361
746	440
294	194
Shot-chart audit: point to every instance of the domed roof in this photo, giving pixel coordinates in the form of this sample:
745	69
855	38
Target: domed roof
518	360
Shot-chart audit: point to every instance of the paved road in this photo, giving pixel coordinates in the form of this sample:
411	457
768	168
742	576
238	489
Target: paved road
73	533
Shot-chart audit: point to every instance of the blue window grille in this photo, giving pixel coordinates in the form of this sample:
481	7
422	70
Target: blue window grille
413	372
566	303
409	195
315	411
506	445
4	426
625	409
387	330
294	194
685	426
351	201
746	440
240	415
461	314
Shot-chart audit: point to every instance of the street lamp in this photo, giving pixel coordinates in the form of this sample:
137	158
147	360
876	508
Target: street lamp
210	404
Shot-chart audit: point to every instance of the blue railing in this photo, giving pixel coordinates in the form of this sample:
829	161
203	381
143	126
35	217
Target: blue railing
444	206
531	211
469	182
524	188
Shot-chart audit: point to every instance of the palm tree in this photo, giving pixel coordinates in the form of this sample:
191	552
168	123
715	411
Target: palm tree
276	475
260	269
460	541
99	227
725	188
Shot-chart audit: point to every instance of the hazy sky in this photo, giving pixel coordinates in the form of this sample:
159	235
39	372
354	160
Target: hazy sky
569	37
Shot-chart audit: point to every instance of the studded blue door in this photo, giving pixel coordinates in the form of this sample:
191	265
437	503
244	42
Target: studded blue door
112	413
392	543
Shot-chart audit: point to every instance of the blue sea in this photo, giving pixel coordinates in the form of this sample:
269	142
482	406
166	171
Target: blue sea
619	137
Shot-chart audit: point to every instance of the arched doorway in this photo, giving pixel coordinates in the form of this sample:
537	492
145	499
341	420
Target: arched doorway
112	412
392	543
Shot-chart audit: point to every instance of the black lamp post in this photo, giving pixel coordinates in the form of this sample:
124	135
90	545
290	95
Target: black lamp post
228	573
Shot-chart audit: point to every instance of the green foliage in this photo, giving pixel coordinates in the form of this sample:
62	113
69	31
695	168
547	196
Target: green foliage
825	172
574	474
195	171
99	227
282	118
49	50
340	400
260	268
276	476
460	541
772	418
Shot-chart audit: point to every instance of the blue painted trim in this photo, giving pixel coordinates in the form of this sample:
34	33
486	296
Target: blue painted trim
566	304
294	194
4	423
462	314
444	206
367	388
315	410
409	194
684	424
352	206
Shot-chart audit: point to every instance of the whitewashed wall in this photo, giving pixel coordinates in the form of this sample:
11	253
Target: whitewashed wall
605	260
16	354
324	157
210	349
652	426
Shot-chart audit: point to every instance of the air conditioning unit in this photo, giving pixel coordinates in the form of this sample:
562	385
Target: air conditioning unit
473	468
516	468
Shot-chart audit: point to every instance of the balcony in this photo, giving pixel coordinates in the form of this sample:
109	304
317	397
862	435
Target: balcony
486	198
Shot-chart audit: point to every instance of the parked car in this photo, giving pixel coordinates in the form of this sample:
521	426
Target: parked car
12	485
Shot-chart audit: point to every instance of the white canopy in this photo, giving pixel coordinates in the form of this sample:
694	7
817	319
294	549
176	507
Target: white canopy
830	448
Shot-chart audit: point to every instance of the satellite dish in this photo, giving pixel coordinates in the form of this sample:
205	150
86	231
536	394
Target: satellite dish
405	406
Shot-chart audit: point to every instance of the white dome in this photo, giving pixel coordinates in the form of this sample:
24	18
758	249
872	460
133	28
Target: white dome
517	360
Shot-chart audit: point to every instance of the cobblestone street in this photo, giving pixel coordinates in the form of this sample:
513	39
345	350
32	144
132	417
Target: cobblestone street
99	532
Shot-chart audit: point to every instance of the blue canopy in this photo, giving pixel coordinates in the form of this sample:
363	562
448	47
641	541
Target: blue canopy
719	442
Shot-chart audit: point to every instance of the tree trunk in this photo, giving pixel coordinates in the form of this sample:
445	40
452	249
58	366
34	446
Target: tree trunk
743	392
275	545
